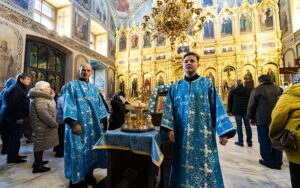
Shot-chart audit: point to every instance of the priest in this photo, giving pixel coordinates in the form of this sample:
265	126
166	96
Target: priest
193	114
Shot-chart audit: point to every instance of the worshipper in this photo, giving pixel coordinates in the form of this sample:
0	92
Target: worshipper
237	105
193	112
43	122
59	149
83	110
3	124
117	116
286	115
16	111
261	103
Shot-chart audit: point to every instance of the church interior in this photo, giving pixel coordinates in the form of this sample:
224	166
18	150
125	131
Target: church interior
236	39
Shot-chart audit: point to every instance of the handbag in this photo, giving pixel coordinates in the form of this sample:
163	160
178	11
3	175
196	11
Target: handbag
285	141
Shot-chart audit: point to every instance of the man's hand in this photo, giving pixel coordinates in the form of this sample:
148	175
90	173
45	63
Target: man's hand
171	136
223	140
20	121
77	129
252	122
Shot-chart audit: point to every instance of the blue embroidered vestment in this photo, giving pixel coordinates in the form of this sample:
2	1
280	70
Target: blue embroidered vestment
82	103
195	112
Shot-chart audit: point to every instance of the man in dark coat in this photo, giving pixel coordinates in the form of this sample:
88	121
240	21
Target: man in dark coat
237	105
16	110
3	124
117	116
261	103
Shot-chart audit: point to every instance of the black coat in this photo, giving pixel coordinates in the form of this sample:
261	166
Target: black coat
15	102
262	101
238	100
117	116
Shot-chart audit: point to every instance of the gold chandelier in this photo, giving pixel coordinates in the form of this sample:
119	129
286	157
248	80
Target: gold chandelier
174	19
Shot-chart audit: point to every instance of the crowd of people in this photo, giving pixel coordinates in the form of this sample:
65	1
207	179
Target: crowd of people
73	122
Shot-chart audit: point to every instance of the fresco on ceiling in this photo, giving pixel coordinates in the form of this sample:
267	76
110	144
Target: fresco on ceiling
230	3
206	3
124	8
100	10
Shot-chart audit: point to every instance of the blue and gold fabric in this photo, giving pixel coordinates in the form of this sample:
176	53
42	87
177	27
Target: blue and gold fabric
195	113
144	143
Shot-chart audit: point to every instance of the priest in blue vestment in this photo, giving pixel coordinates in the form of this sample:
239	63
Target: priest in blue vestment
193	114
83	109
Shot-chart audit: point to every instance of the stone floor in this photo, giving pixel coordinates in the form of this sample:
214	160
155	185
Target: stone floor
240	169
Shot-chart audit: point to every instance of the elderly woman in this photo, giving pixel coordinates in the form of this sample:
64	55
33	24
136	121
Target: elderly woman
43	121
286	115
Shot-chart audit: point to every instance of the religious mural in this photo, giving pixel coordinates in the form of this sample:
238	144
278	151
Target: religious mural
146	39
112	24
248	75
226	25
85	3
121	82
209	51
80	25
228	78
161	78
79	59
122	41
271	70
227	49
247	46
134	40
208	29
100	11
134	86
160	56
111	45
210	73
10	52
160	41
245	21
285	17
183	48
110	83
147	58
125	7
268	44
266	18
147	85
289	59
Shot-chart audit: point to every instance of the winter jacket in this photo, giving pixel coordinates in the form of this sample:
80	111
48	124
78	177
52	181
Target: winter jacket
43	120
262	101
238	100
286	115
15	102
